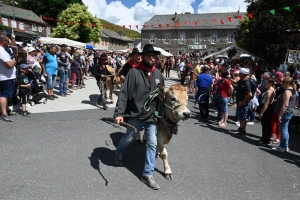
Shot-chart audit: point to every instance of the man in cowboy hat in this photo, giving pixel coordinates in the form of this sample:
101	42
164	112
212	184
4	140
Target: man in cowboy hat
134	58
100	73
138	85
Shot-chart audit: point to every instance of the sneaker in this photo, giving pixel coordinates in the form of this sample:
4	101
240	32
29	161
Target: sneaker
285	149
50	97
119	159
244	134
262	142
149	180
69	91
10	113
26	114
74	88
83	85
276	141
28	105
79	87
237	123
6	118
250	122
54	96
62	95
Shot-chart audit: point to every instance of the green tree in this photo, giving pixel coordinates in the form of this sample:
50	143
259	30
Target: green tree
77	23
270	33
187	13
49	8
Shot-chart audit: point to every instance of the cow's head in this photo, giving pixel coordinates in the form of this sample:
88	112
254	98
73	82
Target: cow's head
176	103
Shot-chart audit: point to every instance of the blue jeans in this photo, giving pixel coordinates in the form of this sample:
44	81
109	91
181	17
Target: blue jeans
284	130
242	112
63	75
224	105
51	80
151	136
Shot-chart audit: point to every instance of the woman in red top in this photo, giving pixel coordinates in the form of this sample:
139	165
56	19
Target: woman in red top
225	90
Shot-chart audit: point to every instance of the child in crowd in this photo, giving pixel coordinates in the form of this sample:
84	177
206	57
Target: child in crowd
24	88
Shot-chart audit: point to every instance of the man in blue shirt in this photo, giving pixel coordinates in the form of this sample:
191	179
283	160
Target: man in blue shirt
205	84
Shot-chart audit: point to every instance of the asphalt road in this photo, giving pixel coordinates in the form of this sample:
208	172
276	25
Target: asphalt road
70	155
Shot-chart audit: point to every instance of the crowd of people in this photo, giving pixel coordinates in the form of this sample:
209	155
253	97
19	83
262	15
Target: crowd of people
265	92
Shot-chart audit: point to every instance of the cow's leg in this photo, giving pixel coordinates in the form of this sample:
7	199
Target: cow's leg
163	154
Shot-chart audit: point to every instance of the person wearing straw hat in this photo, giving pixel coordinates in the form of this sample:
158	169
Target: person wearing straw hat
140	82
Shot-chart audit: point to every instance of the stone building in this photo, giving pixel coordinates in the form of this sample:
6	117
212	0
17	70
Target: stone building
181	33
26	26
113	41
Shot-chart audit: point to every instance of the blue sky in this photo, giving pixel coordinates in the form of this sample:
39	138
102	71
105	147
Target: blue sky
137	12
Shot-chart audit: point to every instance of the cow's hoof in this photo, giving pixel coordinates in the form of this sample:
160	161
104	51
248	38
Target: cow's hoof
169	177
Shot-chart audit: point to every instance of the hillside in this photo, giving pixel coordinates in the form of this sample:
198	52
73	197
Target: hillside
127	32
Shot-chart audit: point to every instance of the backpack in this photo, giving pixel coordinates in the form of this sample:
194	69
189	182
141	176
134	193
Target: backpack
253	87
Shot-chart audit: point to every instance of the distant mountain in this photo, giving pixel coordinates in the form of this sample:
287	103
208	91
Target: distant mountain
126	32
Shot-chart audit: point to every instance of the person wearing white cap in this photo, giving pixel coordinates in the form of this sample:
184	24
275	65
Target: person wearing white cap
31	59
243	97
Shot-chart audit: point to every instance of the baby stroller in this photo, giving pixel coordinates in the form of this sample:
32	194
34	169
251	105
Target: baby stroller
37	91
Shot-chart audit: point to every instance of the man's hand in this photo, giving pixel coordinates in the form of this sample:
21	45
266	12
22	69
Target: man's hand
119	119
103	76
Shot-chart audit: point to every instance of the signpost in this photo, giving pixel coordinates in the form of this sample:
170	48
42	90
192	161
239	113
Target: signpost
197	46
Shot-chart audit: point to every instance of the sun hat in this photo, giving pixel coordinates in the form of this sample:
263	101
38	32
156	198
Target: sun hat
30	49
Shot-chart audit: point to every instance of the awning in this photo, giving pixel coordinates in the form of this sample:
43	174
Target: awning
60	41
88	46
163	52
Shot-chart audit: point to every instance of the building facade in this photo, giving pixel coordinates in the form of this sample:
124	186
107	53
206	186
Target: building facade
181	33
26	26
113	41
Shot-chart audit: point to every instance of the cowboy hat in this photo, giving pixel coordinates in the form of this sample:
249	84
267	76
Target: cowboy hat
134	50
149	48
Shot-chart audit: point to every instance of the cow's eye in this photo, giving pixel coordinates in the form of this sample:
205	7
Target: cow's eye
173	99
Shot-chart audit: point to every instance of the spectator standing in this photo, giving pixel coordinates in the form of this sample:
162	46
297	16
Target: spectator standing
50	66
243	96
24	88
168	65
225	90
204	83
75	70
285	107
63	61
267	110
7	78
134	58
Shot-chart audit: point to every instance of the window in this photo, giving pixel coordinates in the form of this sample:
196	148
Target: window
167	38
180	51
181	38
21	26
13	24
214	39
152	38
197	39
230	39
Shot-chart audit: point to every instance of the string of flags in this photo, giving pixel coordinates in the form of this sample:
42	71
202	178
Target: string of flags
177	24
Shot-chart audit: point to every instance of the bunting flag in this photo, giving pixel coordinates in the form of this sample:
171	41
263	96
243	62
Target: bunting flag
287	8
177	24
229	19
196	23
215	20
108	26
130	26
205	21
186	23
102	25
137	27
160	25
168	25
152	25
250	15
272	12
144	26
221	21
124	26
240	17
117	27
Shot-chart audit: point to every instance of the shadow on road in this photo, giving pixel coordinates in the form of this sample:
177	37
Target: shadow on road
134	156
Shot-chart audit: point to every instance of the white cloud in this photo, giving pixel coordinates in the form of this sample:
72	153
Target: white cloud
116	12
213	6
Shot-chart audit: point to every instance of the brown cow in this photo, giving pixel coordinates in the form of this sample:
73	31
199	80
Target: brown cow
173	109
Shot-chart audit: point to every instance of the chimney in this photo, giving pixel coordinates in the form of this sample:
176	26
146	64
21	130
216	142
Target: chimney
175	18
